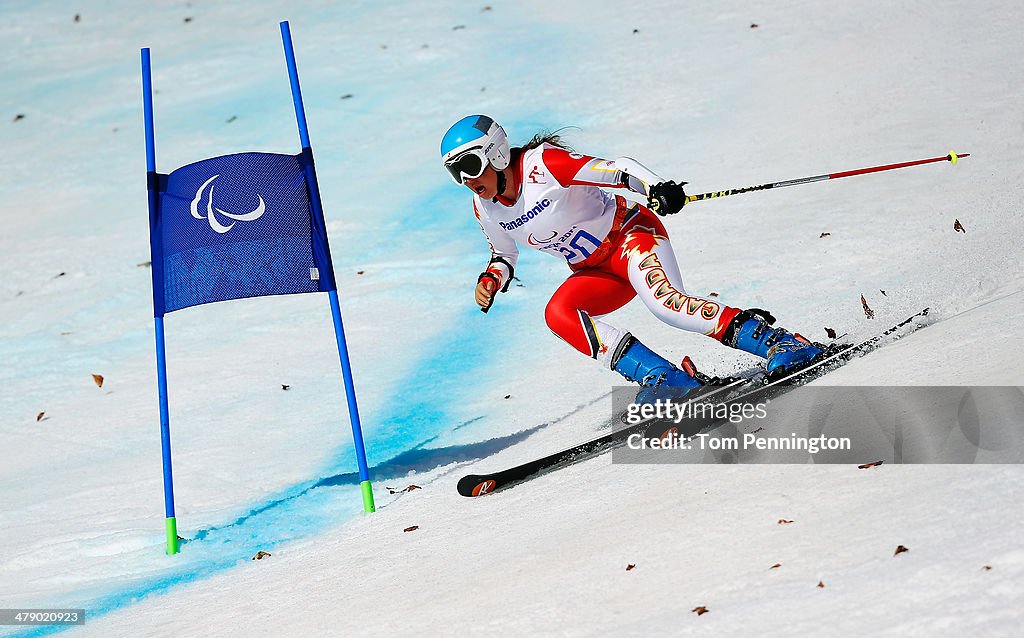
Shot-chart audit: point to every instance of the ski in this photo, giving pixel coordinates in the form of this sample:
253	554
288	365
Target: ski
739	390
478	485
770	389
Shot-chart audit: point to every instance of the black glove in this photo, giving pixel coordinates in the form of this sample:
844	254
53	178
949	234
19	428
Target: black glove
666	198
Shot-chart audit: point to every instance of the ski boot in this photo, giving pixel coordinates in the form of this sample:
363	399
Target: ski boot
640	364
659	378
786	352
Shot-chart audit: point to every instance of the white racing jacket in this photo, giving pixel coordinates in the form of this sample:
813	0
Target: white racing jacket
560	207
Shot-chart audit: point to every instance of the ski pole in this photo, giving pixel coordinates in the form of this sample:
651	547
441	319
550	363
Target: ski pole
951	157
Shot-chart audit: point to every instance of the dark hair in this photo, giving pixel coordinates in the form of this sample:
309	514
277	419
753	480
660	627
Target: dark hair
542	137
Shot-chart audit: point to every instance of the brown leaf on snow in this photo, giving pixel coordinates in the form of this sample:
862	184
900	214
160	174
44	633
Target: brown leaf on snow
824	235
413	487
830	332
867	465
883	292
900	549
821	584
783	521
39	417
411	528
868	312
958	227
260	555
98	378
630	566
712	294
285	386
701	610
987	568
776	566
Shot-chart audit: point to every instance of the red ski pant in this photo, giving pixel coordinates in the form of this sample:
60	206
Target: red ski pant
636	259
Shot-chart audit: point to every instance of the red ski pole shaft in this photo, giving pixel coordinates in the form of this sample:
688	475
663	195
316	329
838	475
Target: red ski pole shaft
951	157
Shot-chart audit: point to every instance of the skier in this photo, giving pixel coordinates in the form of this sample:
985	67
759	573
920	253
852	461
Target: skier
551	199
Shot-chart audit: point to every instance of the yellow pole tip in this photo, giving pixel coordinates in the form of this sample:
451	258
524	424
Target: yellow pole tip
952	157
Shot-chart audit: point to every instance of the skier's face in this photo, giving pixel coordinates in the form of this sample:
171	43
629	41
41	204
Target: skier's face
486	186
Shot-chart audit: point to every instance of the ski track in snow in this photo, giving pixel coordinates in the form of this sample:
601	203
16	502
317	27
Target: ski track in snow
698	94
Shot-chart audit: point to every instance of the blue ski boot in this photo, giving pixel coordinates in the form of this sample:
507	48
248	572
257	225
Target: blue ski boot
751	331
659	378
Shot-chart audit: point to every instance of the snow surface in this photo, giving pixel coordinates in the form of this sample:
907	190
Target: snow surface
697	93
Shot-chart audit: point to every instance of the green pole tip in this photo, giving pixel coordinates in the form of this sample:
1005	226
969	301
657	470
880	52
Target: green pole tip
367	490
172	536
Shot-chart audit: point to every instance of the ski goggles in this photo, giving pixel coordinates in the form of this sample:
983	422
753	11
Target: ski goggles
467	165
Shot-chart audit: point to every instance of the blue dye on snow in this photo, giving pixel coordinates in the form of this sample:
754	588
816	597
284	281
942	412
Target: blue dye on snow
396	445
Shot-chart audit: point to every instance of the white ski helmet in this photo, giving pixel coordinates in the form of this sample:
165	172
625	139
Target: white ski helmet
470	144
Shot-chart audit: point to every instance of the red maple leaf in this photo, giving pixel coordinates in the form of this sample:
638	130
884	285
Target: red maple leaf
640	242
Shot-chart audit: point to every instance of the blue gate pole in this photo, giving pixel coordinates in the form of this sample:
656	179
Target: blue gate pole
339	328
171	526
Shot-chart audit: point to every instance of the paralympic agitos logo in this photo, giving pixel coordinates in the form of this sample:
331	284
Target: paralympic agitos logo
211	211
527	216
